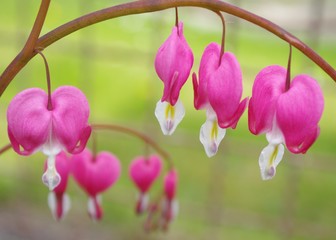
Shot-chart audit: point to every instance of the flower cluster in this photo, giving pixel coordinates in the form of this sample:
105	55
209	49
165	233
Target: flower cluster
286	110
218	90
287	116
95	174
144	171
57	125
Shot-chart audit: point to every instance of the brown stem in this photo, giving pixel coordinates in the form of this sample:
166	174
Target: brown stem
223	36
36	30
176	18
5	148
137	134
94	146
289	65
138	7
28	50
49	106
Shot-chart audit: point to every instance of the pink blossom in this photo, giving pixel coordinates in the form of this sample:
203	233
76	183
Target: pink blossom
173	63
95	174
33	127
170	203
219	91
287	117
58	200
144	171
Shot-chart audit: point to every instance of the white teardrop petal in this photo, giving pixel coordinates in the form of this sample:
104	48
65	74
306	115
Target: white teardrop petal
51	178
52	203
211	135
169	116
269	159
66	204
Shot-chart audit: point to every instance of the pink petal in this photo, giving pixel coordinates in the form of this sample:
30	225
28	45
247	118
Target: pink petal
234	120
174	58
95	174
144	171
28	120
70	118
298	112
267	88
170	184
209	63
225	91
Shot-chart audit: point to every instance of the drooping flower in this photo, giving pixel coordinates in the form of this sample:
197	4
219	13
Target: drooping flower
287	117
144	171
33	127
170	203
173	63
58	200
219	91
95	174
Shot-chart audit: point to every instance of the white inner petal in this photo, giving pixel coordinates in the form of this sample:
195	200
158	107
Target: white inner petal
66	204
211	134
52	203
143	199
51	178
51	146
169	116
170	208
269	159
92	208
275	136
175	208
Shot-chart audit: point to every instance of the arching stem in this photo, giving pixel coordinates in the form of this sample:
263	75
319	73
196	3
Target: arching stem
141	136
5	148
94	145
36	30
138	7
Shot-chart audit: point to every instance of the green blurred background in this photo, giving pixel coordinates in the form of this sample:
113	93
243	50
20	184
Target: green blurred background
220	198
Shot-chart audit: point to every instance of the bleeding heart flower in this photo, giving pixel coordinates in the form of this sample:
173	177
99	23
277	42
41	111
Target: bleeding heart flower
219	91
58	200
144	171
95	174
33	127
173	63
170	203
287	117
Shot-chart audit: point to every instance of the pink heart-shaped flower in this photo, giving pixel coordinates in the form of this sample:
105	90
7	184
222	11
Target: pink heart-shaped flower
32	126
144	170
95	174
